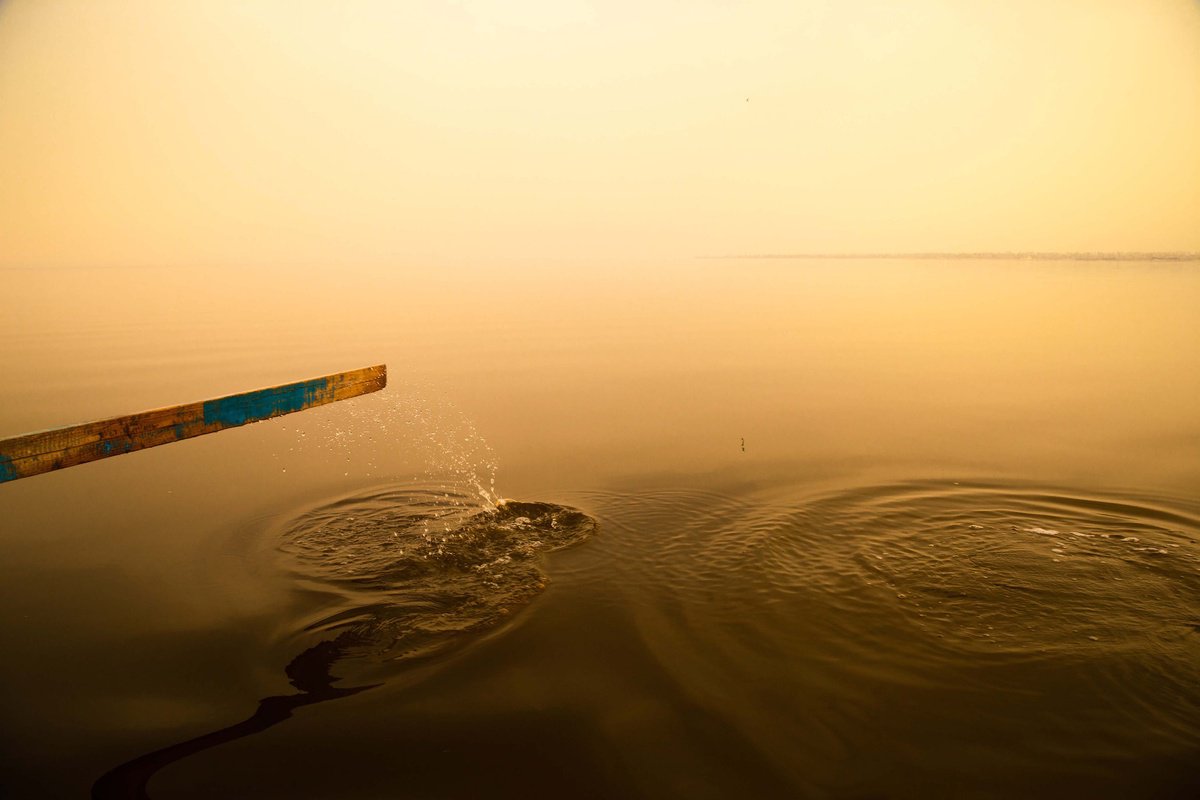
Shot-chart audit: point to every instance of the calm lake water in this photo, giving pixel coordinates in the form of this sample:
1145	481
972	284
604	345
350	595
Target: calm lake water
786	528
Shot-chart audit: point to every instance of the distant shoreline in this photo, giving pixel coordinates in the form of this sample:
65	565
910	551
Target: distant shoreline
1016	256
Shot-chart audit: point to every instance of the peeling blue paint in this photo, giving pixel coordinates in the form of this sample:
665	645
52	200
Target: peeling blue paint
114	447
41	453
7	471
254	406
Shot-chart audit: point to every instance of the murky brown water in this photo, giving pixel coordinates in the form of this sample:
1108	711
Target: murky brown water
794	528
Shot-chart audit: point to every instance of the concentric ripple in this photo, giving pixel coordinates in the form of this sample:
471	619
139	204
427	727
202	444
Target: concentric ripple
415	569
979	568
968	612
1029	572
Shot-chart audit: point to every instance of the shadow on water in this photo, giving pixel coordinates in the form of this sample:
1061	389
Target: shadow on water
309	672
417	571
921	638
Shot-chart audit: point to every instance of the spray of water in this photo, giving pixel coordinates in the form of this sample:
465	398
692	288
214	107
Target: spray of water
408	433
452	445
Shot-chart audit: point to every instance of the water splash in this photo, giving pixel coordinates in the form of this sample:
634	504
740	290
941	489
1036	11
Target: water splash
407	434
410	570
414	571
452	443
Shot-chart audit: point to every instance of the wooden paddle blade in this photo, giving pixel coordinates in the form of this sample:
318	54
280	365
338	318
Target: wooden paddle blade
35	453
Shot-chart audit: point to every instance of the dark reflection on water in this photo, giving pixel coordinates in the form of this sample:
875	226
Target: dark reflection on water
309	672
417	570
706	642
910	639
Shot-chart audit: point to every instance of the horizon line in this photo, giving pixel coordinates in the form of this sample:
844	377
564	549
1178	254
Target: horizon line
1019	255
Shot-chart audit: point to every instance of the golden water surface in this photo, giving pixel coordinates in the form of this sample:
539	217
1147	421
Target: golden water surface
865	528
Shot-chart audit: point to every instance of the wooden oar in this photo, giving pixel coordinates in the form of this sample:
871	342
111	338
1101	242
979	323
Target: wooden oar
35	453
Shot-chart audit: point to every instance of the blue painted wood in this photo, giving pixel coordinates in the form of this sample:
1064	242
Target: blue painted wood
43	451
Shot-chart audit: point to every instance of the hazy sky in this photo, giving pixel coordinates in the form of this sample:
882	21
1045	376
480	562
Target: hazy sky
280	133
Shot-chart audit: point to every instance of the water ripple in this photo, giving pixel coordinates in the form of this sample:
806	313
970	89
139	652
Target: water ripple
999	602
415	568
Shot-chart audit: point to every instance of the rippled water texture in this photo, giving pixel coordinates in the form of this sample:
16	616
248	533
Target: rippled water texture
413	570
788	594
961	631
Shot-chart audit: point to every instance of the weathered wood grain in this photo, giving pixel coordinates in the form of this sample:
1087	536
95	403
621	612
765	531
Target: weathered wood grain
43	451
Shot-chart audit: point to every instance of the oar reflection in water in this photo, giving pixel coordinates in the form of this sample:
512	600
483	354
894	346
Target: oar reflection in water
418	571
309	672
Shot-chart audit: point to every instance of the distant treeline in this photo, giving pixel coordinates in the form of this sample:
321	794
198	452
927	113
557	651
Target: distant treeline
1014	256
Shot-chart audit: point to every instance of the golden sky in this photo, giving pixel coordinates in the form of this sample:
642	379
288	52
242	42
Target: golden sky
495	131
